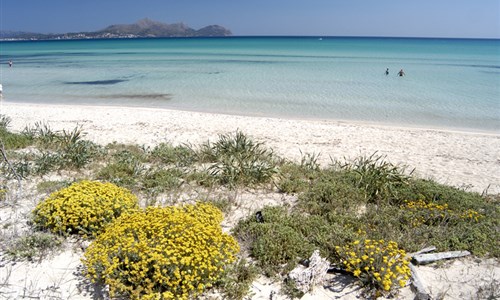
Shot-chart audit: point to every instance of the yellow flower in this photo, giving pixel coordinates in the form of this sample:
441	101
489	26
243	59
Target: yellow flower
169	252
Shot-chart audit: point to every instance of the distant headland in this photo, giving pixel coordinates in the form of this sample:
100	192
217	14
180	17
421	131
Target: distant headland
145	28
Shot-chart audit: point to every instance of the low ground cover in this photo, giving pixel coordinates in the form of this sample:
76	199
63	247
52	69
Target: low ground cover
343	209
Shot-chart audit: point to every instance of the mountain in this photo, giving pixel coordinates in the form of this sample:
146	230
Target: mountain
150	28
144	28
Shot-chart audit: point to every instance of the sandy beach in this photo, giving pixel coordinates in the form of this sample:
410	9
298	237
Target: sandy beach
469	160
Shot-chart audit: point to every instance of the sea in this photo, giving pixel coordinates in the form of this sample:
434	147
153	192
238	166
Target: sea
448	83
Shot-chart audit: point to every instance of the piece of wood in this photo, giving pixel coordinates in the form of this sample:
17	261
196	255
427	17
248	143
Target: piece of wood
424	250
427	258
418	286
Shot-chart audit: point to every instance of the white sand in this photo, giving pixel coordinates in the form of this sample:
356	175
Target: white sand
461	159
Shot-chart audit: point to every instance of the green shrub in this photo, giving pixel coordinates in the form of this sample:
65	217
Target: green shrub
83	208
124	169
330	192
161	253
295	178
157	181
275	243
180	156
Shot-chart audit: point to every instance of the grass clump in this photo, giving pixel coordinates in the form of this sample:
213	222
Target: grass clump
61	150
296	178
53	151
179	156
50	186
237	279
162	253
237	160
125	167
378	179
33	246
83	208
10	140
156	181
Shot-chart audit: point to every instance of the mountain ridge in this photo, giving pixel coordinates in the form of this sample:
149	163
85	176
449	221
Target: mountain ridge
144	28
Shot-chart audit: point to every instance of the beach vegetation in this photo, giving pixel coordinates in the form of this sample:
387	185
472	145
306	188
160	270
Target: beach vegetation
380	265
50	186
276	243
45	150
178	156
296	177
238	160
157	181
379	179
5	121
340	209
10	140
343	206
236	279
83	208
33	246
162	252
124	168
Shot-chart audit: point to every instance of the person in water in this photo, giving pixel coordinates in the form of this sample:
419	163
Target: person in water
387	71
401	73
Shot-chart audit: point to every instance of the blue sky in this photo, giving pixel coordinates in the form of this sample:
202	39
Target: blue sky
417	18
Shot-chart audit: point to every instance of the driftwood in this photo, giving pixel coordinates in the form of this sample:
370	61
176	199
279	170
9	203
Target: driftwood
425	250
418	286
306	278
427	258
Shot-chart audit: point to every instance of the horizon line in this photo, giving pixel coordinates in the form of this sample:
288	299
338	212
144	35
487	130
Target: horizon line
262	36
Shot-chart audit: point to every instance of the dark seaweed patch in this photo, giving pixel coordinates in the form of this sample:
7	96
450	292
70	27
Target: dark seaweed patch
138	96
97	82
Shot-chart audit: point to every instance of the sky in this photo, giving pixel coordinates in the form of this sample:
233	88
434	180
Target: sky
402	18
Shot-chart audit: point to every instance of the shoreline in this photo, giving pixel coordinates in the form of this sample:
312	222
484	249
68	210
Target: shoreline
464	159
382	124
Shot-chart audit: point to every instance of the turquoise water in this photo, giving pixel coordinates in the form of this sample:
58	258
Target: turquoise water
449	83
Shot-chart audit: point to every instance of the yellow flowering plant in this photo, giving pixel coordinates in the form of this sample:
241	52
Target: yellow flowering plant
430	213
161	252
377	263
83	208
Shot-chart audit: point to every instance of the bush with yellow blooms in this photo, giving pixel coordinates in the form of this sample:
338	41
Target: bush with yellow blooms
83	208
161	252
376	263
